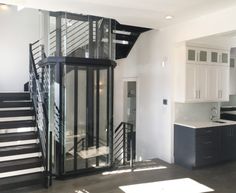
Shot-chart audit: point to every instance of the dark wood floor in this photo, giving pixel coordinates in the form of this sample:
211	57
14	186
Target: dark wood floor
221	178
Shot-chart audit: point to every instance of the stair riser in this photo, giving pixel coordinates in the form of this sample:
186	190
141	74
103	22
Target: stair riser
15	104
17	124
16	113
17	137
7	185
14	96
20	167
18	152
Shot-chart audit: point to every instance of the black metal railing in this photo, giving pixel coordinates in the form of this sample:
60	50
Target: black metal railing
38	85
124	144
81	144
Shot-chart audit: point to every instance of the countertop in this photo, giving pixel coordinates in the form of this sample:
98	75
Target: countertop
204	124
229	112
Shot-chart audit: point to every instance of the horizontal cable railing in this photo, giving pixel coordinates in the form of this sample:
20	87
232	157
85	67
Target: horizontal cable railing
73	37
123	147
39	84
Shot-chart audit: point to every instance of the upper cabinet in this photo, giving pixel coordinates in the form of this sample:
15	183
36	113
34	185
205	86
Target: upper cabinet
201	74
197	55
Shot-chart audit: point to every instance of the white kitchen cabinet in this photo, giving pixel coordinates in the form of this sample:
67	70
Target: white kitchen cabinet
224	58
191	78
223	83
199	55
212	83
201	74
196	76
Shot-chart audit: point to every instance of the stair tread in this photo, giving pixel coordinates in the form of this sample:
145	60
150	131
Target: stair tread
17	136
17	124
20	164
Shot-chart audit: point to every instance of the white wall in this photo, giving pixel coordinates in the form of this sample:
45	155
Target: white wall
18	29
155	121
154	83
233	73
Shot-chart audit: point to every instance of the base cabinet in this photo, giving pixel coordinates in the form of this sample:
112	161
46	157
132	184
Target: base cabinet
195	148
228	143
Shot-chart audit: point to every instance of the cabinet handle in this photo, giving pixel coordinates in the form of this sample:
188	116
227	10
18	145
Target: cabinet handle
219	94
207	142
208	131
208	157
199	94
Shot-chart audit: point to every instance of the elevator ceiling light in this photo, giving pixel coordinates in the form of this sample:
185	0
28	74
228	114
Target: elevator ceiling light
121	32
20	7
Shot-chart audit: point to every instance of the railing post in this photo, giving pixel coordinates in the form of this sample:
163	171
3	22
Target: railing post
131	145
50	160
124	142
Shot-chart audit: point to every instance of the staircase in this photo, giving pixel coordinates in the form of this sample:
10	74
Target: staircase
20	155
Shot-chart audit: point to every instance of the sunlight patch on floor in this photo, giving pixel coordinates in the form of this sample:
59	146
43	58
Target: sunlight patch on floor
150	168
116	172
135	170
184	185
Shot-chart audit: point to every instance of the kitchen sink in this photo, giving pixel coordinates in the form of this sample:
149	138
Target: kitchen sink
218	121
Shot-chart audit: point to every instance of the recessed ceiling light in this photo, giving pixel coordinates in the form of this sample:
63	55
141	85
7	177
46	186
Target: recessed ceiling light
20	7
168	17
4	7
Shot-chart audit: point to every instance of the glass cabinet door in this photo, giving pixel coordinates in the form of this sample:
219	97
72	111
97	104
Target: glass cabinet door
192	55
202	56
214	57
224	58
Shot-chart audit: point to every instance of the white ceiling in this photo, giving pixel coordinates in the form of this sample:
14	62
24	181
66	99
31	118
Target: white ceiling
146	13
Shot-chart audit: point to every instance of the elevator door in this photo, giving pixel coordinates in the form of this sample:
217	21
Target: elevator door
87	136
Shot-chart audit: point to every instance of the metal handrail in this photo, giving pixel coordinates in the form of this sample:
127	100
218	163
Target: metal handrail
38	96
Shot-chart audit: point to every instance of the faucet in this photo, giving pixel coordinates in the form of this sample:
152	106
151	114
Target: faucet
214	114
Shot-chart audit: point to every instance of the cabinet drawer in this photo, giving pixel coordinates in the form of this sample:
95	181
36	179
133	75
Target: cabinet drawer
207	142
207	132
207	157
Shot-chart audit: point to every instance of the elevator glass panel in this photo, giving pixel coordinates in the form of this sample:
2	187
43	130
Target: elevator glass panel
86	118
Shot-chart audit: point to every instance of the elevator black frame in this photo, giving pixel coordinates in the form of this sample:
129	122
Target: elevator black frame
59	63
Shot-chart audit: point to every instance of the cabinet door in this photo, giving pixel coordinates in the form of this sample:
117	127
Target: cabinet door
201	79
223	83
228	143
191	74
214	57
191	55
212	83
224	58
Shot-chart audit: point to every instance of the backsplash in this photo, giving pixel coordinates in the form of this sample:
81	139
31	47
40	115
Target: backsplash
232	101
195	111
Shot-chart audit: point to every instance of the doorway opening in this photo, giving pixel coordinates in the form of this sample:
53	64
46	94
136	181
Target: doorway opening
130	109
